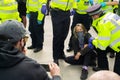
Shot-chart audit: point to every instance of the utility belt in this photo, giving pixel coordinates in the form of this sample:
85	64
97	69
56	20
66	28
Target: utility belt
33	12
60	10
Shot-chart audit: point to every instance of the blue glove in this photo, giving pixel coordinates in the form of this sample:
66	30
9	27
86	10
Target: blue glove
91	2
77	0
39	22
91	39
44	9
90	45
72	12
103	4
28	15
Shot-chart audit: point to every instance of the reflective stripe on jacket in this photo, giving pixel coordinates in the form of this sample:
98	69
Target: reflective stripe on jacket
35	6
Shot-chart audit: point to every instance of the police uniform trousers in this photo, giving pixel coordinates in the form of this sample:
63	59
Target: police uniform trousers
117	63
60	23
37	30
102	59
85	19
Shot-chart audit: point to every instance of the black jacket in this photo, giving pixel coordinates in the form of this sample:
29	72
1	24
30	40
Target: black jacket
14	65
75	43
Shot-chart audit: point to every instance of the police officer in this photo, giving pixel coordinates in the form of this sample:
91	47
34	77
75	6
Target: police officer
36	10
8	10
80	16
60	15
107	25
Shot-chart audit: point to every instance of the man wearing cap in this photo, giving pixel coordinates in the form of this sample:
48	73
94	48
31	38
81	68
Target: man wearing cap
108	28
14	65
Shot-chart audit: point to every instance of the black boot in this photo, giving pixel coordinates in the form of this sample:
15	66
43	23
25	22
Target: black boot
56	61
30	47
69	49
112	55
96	69
84	74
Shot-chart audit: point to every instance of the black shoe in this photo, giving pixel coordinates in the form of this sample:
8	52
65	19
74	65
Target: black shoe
56	61
96	69
62	57
84	74
30	47
112	55
93	63
37	50
69	49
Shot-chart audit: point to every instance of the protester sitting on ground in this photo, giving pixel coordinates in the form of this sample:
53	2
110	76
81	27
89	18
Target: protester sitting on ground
14	65
104	75
80	43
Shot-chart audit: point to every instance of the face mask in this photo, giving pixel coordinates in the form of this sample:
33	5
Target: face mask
81	39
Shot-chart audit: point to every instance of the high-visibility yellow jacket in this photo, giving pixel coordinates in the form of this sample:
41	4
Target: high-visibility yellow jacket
106	8
64	5
82	6
35	6
108	27
8	10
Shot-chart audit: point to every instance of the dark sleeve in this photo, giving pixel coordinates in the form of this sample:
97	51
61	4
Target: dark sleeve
87	36
87	49
22	8
35	71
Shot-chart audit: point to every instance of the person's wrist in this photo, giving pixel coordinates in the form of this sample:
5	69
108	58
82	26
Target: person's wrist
78	53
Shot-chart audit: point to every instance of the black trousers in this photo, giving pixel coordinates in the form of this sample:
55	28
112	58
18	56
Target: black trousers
85	19
102	59
117	63
37	30
60	23
87	59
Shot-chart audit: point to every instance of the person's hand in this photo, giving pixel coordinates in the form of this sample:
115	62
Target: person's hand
72	12
39	22
44	9
24	51
91	2
77	56
54	69
28	15
103	4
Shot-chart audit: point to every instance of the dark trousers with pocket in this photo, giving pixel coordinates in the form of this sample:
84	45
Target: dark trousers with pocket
60	23
37	30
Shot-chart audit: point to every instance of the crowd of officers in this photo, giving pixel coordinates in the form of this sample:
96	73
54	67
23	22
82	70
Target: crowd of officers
60	11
